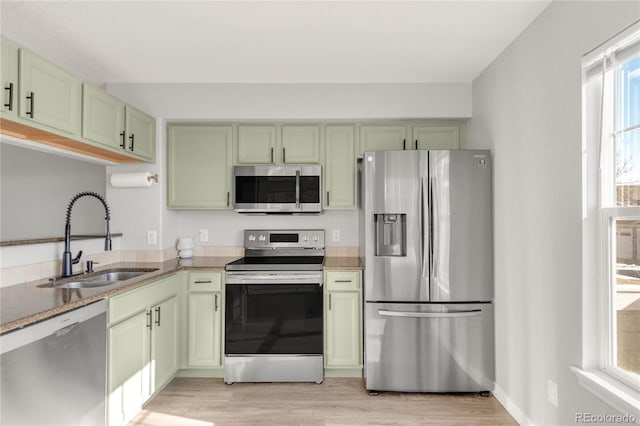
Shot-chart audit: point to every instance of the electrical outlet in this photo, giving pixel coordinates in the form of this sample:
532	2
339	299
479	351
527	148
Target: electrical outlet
204	235
552	392
336	235
152	237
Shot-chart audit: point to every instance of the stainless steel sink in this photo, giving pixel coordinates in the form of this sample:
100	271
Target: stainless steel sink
85	284
98	279
116	276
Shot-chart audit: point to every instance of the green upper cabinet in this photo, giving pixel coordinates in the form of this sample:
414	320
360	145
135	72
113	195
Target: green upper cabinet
49	95
436	137
300	144
9	78
109	121
102	118
382	138
141	134
339	167
199	166
256	144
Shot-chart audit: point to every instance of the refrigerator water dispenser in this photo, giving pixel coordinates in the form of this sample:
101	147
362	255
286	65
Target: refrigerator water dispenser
391	234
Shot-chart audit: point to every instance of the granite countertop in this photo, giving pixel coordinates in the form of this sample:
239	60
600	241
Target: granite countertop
342	263
25	304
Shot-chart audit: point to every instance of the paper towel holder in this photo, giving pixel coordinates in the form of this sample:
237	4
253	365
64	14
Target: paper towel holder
133	180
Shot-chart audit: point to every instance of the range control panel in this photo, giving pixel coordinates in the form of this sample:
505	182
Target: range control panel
305	238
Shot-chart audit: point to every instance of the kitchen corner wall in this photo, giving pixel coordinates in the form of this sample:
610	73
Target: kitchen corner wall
527	108
140	210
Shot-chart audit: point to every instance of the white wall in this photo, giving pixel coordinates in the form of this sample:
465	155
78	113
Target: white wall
526	108
144	209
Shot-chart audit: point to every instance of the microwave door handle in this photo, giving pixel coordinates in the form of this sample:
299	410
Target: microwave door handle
297	189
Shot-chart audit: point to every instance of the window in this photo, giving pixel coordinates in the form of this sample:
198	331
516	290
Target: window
611	211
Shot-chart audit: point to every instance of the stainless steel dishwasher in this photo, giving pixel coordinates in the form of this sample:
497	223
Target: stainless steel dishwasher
54	372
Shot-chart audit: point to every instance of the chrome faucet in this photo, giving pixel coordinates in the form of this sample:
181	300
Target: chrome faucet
67	261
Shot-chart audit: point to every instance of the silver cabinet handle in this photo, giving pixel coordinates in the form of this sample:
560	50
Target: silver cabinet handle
329	301
454	314
271	154
149	320
328	198
202	282
228	198
342	281
284	155
215	304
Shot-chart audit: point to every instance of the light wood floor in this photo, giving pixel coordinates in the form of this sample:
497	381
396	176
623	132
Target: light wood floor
207	402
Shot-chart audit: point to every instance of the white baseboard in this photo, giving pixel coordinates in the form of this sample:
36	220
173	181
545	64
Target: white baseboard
511	407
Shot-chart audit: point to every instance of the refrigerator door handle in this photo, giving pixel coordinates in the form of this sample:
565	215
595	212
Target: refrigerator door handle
424	220
454	314
433	196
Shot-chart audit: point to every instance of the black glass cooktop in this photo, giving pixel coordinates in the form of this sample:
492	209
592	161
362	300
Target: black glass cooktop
276	262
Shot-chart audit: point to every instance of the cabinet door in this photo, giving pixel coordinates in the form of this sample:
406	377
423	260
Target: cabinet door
199	166
9	78
102	118
128	369
256	144
340	167
436	137
141	133
48	94
383	138
164	342
343	344
300	144
205	330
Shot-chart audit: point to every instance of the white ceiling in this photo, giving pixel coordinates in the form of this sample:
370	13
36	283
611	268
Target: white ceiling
269	42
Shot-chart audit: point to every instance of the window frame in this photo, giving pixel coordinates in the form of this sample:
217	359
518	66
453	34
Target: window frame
598	372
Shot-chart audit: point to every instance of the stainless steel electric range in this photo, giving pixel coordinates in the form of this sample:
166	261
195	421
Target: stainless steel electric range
273	308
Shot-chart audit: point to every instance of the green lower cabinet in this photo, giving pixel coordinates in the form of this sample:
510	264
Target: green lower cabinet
164	342
128	368
205	330
343	324
142	346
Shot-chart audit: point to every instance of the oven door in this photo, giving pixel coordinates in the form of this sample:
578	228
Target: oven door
273	313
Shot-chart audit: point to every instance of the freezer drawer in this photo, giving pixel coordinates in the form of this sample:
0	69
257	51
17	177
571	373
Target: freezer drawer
429	347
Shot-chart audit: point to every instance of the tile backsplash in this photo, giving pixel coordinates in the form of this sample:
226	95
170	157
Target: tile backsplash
18	274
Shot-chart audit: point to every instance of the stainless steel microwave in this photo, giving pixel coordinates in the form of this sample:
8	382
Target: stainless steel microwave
278	189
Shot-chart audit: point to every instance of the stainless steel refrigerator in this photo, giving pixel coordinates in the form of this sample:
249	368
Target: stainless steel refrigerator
426	227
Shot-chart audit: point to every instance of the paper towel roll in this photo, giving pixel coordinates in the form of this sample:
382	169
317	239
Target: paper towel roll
131	180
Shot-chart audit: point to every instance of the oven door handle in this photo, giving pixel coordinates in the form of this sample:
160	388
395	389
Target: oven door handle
274	279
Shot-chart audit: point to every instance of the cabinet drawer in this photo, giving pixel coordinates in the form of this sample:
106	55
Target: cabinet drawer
343	280
127	304
205	281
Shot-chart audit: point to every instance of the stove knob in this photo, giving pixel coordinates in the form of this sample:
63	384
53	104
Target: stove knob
306	238
252	237
315	238
263	238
